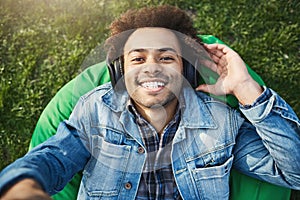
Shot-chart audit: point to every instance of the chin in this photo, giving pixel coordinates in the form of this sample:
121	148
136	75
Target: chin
158	103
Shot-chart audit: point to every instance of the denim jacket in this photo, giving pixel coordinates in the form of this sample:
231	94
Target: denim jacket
102	139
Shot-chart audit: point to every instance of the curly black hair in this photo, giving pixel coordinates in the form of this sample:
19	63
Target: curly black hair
164	16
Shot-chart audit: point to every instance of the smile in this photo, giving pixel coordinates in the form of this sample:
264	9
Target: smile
153	85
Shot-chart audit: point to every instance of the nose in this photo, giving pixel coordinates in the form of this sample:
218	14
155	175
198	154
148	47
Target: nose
152	67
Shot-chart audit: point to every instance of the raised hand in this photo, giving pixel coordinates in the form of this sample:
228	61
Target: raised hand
233	75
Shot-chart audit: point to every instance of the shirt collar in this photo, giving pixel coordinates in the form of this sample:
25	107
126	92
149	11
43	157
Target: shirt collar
192	104
131	108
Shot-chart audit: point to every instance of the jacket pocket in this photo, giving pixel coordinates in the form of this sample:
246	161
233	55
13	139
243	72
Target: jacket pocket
103	175
213	180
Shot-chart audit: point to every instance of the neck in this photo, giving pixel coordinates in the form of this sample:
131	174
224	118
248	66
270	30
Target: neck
158	116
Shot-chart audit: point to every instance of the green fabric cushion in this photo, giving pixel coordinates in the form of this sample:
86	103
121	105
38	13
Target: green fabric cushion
60	107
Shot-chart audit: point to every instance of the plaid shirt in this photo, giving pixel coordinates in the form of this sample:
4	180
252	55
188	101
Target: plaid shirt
157	181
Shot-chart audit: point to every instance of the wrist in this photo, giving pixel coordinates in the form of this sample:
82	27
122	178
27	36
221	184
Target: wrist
248	92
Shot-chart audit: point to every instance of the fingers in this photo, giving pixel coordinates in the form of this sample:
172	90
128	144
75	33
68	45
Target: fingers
221	51
217	89
212	89
216	52
221	48
204	88
212	62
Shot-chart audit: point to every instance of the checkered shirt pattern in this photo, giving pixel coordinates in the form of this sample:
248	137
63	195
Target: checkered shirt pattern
157	181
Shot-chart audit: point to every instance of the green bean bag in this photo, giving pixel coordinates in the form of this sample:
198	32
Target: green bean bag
60	107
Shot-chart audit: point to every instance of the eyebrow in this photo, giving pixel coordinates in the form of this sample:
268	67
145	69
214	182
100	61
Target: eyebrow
160	50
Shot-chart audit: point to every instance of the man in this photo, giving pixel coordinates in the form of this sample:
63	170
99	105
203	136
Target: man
157	138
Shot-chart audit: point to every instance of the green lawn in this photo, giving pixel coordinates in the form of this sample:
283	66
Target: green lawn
45	43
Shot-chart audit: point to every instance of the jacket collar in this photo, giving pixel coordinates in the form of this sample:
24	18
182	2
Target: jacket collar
194	113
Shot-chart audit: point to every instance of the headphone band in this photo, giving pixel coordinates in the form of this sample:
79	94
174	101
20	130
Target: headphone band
116	72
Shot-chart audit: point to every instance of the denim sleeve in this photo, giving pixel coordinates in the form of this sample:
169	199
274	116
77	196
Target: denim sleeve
54	162
268	143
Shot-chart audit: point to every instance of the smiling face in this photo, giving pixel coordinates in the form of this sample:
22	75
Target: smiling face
153	67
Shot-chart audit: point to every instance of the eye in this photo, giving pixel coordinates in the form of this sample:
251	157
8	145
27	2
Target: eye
137	60
166	59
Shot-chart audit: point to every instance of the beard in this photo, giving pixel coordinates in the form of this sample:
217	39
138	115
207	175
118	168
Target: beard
155	102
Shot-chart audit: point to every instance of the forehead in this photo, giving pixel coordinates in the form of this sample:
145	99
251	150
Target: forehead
152	38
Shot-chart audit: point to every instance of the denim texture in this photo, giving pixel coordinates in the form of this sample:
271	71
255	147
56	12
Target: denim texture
102	140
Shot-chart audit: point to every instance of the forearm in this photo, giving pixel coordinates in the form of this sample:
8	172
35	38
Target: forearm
52	163
276	154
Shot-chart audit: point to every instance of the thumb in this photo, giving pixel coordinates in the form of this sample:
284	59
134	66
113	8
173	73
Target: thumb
206	88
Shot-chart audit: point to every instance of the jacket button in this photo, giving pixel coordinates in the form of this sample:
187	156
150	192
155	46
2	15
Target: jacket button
141	150
128	186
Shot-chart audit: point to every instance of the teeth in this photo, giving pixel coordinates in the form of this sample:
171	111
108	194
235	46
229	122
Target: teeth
153	84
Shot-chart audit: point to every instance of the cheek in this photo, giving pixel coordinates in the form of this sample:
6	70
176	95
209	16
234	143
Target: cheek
130	77
174	70
178	80
131	71
176	73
